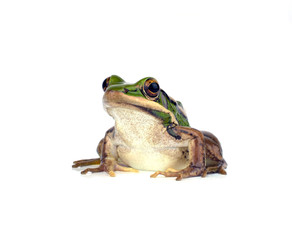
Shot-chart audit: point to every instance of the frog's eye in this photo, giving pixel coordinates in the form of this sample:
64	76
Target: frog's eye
105	83
151	88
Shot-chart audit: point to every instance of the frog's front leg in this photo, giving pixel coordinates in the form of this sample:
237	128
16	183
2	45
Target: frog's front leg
108	157
196	149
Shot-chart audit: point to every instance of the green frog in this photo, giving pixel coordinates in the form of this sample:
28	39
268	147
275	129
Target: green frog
152	133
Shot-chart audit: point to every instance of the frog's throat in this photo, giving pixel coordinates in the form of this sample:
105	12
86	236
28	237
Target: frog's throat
112	99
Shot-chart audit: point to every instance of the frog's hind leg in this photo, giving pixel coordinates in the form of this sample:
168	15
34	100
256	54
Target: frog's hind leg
92	161
215	162
196	147
202	146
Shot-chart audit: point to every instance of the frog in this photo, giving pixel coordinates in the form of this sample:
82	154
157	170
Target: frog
151	133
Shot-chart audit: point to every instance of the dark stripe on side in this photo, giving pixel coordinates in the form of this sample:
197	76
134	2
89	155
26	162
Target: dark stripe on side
173	134
168	98
164	99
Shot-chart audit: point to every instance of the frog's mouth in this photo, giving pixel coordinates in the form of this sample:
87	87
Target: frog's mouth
115	99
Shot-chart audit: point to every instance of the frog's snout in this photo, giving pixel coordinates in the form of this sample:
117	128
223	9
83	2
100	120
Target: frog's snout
111	96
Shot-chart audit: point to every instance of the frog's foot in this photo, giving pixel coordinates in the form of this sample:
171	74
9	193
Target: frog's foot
109	166
154	175
185	173
86	162
214	169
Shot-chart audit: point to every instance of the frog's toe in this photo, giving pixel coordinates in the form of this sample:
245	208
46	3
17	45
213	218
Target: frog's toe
109	168
86	162
111	173
168	170
222	171
125	169
185	173
101	168
154	175
167	173
93	170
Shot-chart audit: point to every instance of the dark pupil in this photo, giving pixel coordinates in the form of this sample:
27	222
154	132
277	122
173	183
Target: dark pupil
154	87
104	84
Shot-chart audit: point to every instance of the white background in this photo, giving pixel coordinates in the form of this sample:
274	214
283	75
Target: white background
228	62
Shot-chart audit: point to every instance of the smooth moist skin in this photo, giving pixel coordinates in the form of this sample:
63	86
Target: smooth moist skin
152	132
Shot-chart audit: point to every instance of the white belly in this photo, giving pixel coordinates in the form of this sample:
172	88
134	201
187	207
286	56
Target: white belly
153	159
142	142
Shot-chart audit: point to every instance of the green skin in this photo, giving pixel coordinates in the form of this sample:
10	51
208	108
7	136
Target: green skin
193	152
118	84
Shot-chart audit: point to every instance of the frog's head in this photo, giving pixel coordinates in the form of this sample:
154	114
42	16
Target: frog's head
144	95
